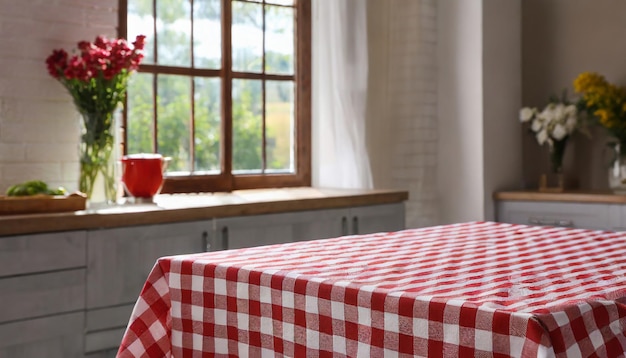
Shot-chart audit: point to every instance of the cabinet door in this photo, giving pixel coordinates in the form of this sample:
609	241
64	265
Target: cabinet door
376	218
42	252
119	260
259	230
58	336
43	294
579	215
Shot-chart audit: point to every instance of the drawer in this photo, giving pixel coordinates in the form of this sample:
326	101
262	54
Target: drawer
51	337
579	215
42	294
42	252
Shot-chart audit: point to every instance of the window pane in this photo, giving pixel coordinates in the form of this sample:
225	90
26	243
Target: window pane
279	45
173	117
140	21
279	125
208	124
174	33
140	114
247	126
247	37
207	31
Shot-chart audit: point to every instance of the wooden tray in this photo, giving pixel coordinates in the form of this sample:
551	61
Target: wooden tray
13	205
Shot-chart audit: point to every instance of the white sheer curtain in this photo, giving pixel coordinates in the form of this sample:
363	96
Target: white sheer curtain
340	68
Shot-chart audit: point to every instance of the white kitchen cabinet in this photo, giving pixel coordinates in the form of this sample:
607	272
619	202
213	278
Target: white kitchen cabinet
259	230
567	214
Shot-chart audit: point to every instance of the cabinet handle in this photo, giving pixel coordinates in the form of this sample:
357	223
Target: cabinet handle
563	223
205	241
225	238
344	226
355	225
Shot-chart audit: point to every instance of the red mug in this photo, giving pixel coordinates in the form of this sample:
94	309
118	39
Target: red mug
142	174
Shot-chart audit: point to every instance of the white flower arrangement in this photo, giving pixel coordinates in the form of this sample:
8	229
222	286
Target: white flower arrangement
554	123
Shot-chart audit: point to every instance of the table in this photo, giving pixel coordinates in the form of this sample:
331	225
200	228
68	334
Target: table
480	289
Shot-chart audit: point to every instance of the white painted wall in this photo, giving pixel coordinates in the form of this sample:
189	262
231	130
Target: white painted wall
460	172
402	123
39	126
479	94
502	96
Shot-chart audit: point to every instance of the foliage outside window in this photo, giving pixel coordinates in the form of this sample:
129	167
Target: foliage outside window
224	90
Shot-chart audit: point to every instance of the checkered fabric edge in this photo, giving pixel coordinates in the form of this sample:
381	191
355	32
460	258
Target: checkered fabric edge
149	330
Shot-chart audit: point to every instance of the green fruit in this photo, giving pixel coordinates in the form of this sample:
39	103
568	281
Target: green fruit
33	187
59	191
12	189
18	190
37	186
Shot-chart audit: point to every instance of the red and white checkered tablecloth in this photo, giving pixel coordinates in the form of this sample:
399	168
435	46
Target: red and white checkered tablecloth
478	289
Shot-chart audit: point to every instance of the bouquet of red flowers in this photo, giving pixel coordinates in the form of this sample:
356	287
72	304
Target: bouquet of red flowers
96	77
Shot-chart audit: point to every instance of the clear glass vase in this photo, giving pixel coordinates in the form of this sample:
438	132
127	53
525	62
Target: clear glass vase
617	168
557	152
97	163
554	181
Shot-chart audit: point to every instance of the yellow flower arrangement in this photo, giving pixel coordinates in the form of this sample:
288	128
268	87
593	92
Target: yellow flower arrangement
605	101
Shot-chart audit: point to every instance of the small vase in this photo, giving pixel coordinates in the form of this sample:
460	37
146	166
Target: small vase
97	163
617	169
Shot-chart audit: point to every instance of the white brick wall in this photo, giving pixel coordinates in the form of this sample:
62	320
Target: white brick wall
412	105
39	126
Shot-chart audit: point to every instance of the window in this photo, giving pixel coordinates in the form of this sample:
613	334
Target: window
224	90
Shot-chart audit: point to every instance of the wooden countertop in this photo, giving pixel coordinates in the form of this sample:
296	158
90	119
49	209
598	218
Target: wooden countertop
578	196
191	207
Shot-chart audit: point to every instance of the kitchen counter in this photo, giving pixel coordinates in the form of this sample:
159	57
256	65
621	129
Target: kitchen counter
574	196
188	207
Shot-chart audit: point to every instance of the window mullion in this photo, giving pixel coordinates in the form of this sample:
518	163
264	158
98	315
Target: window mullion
122	20
192	125
303	90
263	99
227	115
155	82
